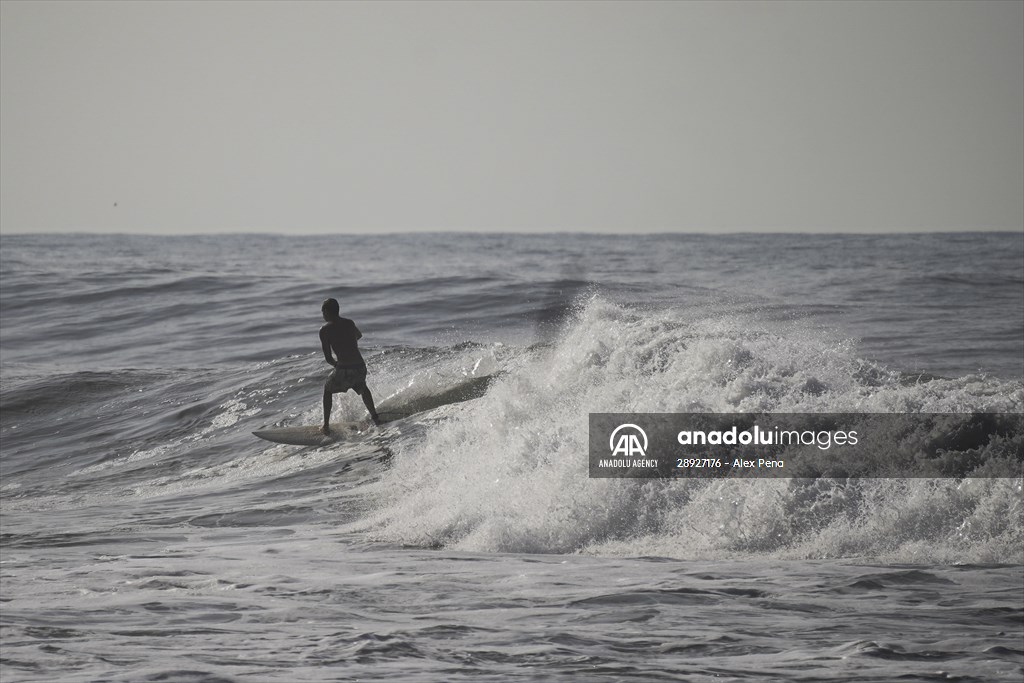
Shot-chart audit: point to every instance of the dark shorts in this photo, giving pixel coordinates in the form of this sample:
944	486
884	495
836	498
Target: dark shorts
345	377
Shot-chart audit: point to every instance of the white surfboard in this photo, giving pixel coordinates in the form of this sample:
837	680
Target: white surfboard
310	435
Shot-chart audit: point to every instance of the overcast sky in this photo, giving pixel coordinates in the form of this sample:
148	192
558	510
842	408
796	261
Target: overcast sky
602	116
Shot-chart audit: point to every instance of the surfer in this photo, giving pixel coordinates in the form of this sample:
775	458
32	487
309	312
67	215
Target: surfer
341	336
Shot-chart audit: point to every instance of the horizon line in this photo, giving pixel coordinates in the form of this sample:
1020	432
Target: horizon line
513	231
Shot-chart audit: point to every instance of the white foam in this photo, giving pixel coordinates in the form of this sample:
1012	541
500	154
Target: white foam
508	472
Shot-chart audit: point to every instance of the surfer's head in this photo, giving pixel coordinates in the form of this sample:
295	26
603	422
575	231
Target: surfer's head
330	309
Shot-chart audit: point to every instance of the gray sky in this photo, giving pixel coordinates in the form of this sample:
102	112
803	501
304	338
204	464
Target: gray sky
600	116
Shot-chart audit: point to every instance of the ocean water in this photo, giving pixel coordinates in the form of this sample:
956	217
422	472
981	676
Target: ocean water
146	535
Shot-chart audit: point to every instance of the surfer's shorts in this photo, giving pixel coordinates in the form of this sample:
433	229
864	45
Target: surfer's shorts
345	377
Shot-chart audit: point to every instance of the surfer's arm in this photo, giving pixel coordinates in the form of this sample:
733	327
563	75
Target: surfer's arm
326	345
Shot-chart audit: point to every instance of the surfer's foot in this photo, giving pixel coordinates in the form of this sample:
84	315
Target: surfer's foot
376	419
326	429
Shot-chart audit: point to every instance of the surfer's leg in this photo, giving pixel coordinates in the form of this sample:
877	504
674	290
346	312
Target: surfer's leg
326	429
364	391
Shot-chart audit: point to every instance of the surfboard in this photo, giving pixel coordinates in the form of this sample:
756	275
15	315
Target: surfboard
310	435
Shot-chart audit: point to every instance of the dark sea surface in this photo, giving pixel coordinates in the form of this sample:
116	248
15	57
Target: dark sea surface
148	536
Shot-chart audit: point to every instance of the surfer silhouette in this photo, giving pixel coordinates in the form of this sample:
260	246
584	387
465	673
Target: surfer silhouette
341	336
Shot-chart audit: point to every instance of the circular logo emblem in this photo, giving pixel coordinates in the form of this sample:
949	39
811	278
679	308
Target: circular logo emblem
628	443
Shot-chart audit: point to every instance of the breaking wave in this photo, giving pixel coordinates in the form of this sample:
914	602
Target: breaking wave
507	472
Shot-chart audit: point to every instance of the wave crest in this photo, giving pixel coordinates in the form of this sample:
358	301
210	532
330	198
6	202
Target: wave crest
507	472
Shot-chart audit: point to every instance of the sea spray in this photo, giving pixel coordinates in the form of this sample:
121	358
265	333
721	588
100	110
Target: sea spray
508	472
